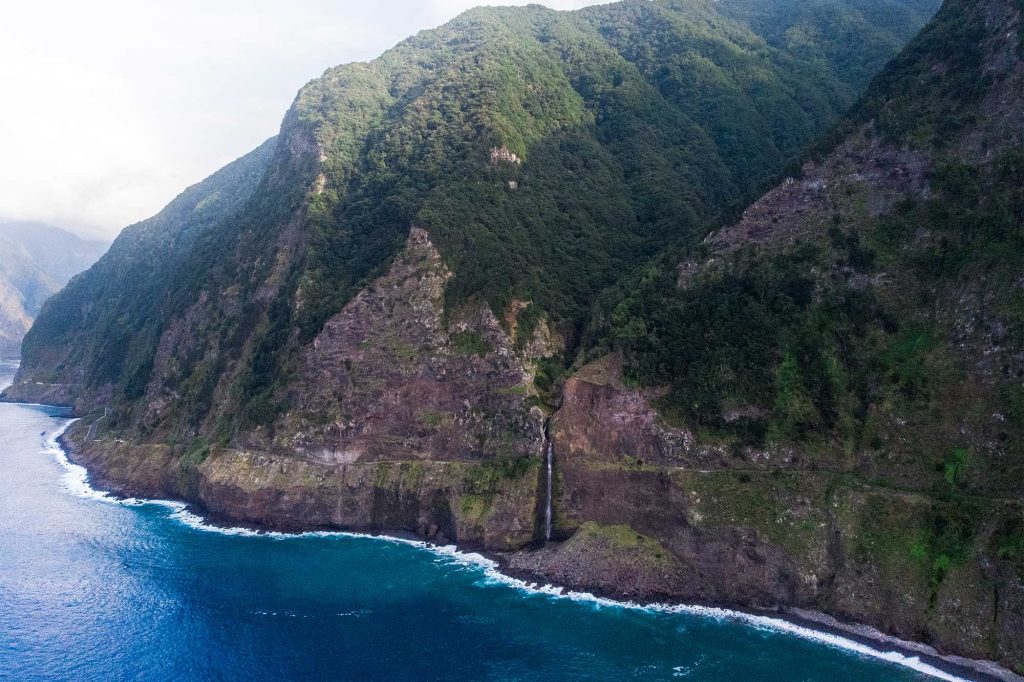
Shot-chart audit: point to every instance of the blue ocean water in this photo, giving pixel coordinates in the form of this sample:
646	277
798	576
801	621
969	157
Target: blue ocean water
97	590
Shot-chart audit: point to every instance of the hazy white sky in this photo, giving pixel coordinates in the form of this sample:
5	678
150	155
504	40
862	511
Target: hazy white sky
109	108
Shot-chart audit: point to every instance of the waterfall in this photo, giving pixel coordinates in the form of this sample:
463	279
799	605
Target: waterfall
548	455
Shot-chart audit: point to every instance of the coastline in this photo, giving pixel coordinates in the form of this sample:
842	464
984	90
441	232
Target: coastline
826	630
817	626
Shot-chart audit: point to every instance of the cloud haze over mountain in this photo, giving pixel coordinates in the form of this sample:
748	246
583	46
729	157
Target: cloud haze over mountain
113	107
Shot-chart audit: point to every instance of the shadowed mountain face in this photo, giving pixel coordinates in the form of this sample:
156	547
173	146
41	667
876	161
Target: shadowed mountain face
523	227
36	260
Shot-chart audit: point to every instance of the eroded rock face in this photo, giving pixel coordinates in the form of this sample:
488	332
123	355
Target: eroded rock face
606	560
617	463
392	377
477	504
776	528
473	504
601	419
721	560
402	418
64	395
863	178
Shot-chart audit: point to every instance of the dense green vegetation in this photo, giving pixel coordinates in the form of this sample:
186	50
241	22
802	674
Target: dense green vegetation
775	345
471	342
778	346
932	90
812	357
752	336
636	125
854	38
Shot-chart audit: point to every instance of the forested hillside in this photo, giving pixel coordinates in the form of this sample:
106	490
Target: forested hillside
547	153
855	338
854	38
103	323
816	308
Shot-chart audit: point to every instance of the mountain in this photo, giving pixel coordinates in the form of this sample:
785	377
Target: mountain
36	260
546	153
518	242
839	373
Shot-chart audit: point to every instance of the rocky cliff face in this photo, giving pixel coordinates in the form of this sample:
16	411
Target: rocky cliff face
772	527
402	420
395	376
477	504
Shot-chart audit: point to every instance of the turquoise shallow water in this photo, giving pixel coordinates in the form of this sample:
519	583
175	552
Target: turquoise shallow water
96	590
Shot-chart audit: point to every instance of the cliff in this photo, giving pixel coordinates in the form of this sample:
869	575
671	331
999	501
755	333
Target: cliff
402	420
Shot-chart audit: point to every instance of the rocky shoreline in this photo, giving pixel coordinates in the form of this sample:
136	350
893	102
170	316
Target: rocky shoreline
534	567
408	419
957	666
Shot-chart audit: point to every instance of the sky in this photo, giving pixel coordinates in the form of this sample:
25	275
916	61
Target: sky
109	108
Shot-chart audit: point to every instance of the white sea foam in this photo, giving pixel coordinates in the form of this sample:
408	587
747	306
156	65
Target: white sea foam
76	481
753	620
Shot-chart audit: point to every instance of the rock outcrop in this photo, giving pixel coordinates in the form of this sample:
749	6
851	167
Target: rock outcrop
773	529
393	376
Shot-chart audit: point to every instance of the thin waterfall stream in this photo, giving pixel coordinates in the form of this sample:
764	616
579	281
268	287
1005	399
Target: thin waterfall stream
549	456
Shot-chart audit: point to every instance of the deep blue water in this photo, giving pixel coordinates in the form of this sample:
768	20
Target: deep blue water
95	590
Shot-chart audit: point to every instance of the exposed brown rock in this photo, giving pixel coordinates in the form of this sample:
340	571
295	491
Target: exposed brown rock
863	177
474	504
389	378
504	155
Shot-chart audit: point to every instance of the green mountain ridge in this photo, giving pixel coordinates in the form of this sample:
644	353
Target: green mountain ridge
866	315
950	165
139	277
